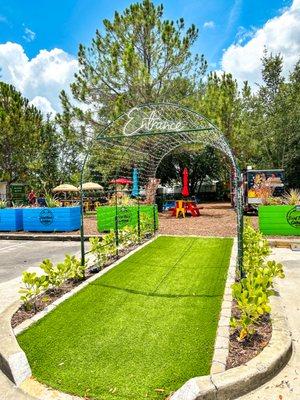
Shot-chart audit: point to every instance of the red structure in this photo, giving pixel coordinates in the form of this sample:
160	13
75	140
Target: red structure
185	189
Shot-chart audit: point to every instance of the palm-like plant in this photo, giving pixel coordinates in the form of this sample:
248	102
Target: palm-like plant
292	197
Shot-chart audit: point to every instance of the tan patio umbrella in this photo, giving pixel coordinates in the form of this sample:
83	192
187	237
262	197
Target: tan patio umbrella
91	186
65	187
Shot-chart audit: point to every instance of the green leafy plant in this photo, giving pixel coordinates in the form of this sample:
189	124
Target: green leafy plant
253	291
33	286
97	248
256	248
274	201
3	204
56	274
70	268
292	197
146	225
51	202
128	236
74	267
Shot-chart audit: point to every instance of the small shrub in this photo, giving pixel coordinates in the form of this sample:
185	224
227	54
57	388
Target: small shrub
3	204
33	286
292	197
252	292
128	236
74	267
146	225
70	268
98	250
51	202
56	274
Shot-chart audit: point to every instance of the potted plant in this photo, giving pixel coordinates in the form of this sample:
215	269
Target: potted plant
281	216
127	211
52	218
10	218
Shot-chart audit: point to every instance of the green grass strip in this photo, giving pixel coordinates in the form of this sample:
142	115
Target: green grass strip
141	330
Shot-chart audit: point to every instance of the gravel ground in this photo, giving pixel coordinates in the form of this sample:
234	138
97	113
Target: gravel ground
216	219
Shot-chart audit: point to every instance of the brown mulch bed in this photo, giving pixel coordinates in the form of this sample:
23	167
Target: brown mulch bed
240	352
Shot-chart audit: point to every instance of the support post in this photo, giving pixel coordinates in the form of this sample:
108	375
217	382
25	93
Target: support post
240	219
81	224
116	222
154	218
139	220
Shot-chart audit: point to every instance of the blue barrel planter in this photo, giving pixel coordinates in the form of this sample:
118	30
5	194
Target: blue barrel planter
11	219
57	219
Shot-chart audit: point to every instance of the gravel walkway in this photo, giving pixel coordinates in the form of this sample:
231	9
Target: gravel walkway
216	219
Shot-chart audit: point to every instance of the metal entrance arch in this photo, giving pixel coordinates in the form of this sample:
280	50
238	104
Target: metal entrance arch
143	136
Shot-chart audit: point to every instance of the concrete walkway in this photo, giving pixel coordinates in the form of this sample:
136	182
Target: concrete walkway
286	385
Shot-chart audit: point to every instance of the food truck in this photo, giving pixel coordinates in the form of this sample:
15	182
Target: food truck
259	184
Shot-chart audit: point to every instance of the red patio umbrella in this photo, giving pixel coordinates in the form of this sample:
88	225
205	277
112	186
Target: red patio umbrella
121	181
185	189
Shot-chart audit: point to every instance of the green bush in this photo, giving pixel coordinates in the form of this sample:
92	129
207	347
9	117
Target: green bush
146	224
51	202
128	236
97	248
3	204
55	276
33	286
105	247
252	292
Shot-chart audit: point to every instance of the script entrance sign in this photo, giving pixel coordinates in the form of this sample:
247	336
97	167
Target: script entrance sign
140	123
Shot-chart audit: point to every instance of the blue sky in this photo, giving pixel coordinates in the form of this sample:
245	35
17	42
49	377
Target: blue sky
66	23
39	38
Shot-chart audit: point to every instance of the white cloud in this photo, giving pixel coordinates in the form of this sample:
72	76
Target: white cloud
29	35
41	78
43	104
279	34
209	25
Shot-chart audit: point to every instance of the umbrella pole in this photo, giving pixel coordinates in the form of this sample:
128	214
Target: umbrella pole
81	226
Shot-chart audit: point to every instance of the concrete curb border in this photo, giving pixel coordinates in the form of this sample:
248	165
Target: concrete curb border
45	237
238	381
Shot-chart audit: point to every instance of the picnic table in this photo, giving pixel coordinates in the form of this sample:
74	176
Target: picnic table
183	207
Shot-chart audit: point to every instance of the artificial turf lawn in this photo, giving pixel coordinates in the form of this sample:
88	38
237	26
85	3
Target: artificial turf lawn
147	324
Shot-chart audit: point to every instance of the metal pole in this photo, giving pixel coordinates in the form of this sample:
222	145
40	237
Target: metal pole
81	222
154	218
240	219
139	219
116	221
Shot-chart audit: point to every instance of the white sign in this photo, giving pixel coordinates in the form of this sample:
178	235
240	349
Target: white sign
151	123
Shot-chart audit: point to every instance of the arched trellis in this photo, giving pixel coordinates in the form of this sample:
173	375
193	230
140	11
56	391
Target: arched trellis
144	135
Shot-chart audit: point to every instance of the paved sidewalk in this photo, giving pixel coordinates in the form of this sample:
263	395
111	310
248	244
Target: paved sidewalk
18	255
286	385
9	287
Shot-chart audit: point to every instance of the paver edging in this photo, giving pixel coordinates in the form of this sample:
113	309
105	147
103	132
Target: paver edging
238	381
221	348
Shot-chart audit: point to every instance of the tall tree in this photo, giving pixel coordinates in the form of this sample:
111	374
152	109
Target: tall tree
140	57
50	152
20	127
